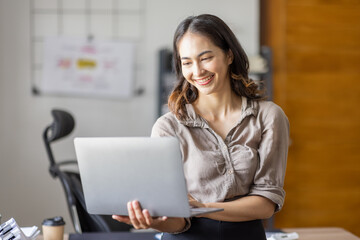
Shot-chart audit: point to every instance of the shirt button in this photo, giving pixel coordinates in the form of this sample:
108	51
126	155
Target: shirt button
230	171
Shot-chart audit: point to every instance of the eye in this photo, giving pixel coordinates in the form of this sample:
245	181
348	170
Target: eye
206	58
186	63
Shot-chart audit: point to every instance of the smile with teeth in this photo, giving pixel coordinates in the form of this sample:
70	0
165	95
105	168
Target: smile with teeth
205	80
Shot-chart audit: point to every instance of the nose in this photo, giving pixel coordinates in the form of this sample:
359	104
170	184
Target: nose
197	70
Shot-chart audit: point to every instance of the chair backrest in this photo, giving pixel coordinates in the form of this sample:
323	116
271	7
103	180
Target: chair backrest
62	125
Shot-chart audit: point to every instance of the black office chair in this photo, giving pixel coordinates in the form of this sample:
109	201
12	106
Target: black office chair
62	126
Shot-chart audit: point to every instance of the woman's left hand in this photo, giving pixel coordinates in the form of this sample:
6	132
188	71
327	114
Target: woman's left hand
194	202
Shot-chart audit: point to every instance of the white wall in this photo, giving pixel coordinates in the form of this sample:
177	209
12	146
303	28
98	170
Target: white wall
27	192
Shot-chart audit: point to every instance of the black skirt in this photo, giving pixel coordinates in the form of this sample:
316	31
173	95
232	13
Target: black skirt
208	229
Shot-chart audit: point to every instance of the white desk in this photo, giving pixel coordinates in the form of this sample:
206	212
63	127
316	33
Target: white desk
332	233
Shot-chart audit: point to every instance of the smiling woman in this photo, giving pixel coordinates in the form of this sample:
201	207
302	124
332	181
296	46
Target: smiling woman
234	145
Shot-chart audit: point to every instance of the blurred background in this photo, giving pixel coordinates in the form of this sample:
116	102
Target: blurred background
315	72
316	57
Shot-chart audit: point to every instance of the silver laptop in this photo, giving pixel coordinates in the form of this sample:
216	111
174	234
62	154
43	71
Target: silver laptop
116	170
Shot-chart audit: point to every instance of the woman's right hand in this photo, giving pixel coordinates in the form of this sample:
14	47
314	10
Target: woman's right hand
139	218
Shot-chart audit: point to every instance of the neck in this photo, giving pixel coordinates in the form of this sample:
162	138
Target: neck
217	106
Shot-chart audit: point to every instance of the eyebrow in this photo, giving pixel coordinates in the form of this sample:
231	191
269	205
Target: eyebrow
199	55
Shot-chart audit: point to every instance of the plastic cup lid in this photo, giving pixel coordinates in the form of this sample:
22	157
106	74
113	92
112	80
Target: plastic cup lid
56	221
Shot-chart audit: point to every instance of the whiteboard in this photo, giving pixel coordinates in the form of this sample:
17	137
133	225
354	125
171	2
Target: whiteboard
88	68
59	32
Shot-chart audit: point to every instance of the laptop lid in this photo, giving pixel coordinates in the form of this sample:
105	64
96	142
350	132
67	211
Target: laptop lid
116	170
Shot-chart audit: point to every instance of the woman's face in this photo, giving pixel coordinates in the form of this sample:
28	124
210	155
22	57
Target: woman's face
204	65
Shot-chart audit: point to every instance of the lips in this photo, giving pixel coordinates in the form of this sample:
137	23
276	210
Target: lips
205	80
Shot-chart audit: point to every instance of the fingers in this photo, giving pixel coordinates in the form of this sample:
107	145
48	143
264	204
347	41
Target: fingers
124	219
148	218
141	219
194	203
138	218
132	215
152	221
190	197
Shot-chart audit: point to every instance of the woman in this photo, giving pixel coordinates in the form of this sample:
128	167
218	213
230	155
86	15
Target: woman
234	144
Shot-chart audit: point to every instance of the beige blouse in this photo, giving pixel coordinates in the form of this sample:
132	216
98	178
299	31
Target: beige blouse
250	161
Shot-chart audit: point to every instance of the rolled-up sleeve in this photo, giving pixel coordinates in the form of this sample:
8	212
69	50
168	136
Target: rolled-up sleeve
273	150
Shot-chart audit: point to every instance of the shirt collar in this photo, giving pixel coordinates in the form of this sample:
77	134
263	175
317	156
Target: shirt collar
248	107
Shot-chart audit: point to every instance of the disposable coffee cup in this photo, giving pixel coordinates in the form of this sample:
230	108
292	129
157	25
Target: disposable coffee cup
53	228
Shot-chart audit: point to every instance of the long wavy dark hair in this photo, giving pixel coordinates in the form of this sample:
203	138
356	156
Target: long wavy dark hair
221	35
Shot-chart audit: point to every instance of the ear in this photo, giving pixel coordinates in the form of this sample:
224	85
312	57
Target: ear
230	57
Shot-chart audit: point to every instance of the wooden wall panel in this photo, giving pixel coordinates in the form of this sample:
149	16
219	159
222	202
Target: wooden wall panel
316	49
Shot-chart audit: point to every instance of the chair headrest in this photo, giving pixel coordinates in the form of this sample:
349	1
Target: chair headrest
62	125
